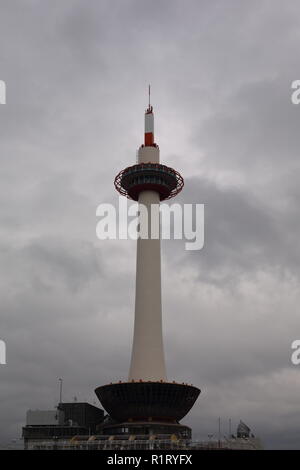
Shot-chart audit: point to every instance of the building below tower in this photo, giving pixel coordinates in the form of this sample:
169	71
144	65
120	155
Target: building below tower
69	420
81	426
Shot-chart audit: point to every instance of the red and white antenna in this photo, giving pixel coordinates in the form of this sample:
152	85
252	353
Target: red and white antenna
149	125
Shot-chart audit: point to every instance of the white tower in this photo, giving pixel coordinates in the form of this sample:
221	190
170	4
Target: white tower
147	359
147	400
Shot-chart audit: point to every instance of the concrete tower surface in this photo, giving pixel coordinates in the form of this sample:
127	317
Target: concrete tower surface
147	396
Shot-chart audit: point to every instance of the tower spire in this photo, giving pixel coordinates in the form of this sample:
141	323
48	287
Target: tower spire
149	124
150	108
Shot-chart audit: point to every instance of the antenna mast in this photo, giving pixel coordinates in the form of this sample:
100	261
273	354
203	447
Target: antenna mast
60	389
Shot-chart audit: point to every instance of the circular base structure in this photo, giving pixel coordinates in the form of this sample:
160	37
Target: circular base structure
144	401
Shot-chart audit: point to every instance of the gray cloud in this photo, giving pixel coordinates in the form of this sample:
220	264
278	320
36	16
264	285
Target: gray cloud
76	75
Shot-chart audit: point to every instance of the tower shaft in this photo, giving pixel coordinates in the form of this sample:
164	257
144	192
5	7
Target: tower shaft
147	359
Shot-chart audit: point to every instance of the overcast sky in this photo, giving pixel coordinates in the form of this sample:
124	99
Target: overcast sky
76	74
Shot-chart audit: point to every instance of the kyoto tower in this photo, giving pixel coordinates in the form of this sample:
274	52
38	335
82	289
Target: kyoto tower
148	403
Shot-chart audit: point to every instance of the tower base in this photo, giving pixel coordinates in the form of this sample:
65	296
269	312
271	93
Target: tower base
141	401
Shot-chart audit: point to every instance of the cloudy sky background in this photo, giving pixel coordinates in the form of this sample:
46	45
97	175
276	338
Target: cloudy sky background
77	75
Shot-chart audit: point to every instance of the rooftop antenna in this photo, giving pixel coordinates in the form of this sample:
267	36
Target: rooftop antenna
149	95
60	389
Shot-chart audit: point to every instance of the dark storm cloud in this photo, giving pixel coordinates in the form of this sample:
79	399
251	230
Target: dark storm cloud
76	75
243	234
257	131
